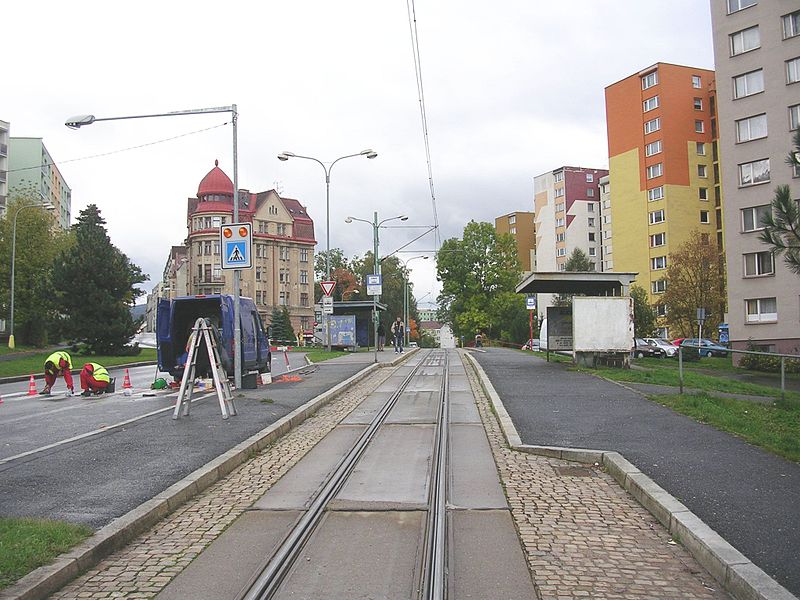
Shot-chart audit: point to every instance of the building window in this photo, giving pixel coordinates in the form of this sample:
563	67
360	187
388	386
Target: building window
697	82
590	193
652	148
590	205
745	40
748	84
207	248
794	117
559	192
702	171
649	80
791	24
702	193
761	310
558	176
704	216
284	252
701	148
258	273
303	299
304	276
259	298
652	125
589	177
591	237
658	239
561	252
592	251
751	128
654	171
591	221
216	248
698	104
657	263
793	70
216	221
283	298
303	254
757	264
657	216
737	5
512	220
659	287
560	222
650	104
753	217
655	193
560	207
281	228
207	222
753	173
661	310
560	237
207	273
698	126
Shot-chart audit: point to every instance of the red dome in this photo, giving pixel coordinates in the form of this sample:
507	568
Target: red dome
215	182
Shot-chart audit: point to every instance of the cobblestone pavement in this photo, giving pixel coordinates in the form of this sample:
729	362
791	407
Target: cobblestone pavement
583	535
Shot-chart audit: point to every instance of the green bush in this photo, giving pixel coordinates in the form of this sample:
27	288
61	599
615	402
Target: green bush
768	364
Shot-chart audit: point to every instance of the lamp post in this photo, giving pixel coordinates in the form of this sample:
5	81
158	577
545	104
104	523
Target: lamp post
46	206
351	292
82	120
377	263
284	156
406	307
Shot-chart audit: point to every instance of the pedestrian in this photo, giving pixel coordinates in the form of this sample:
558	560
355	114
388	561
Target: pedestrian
397	330
381	336
95	380
58	363
478	340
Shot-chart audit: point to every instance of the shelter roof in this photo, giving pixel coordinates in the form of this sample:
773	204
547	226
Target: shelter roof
590	283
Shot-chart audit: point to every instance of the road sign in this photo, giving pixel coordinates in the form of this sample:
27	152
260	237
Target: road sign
374	285
530	302
327	287
327	305
237	245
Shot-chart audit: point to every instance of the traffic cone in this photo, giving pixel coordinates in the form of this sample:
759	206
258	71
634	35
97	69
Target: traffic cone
126	383
32	387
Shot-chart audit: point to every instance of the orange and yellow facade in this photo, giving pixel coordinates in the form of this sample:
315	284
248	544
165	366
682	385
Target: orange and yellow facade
664	175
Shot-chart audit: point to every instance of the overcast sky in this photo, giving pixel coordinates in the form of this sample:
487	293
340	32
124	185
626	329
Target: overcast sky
512	89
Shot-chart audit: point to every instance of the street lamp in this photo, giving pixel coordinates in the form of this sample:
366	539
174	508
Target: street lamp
46	206
406	306
351	292
284	156
82	120
377	263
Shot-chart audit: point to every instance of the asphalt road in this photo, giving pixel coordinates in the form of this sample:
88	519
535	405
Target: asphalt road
98	478
750	497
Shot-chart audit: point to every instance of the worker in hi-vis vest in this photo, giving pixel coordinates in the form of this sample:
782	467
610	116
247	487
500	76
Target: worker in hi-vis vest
94	379
58	363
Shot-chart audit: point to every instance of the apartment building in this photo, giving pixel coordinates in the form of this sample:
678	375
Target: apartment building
606	227
522	227
31	166
664	182
757	54
5	128
283	250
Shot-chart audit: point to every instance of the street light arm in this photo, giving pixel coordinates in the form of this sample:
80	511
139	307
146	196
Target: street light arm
351	219
81	120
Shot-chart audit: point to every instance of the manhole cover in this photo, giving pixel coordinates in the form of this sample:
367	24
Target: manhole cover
574	471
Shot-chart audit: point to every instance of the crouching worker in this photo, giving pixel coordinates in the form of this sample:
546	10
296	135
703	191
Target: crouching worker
58	363
95	380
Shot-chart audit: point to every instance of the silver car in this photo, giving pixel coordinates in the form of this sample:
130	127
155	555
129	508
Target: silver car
663	345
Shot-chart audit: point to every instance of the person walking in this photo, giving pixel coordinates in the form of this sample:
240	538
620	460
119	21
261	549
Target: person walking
58	363
381	336
397	334
95	379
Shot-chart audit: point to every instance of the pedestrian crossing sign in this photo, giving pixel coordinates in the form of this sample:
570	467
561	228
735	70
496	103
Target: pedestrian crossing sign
237	245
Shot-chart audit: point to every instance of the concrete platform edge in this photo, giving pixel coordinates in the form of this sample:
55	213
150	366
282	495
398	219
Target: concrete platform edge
40	583
732	570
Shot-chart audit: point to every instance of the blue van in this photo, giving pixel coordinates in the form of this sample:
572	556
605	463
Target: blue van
174	322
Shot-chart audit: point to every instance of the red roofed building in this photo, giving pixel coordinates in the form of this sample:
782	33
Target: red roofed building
283	249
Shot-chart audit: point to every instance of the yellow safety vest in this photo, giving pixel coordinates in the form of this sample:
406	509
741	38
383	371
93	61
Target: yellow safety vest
100	373
56	357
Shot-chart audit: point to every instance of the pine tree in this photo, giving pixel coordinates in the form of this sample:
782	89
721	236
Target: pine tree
94	283
281	326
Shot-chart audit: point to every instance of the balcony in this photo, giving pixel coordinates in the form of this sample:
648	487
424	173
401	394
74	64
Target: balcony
3	149
208	280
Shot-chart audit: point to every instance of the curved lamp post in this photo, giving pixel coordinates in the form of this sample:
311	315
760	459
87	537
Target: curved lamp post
377	263
351	292
46	206
83	120
406	305
284	156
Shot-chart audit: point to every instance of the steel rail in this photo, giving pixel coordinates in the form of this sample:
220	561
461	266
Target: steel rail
434	584
272	575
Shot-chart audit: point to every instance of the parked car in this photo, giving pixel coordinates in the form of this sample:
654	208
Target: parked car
705	347
664	345
531	345
677	341
642	349
413	345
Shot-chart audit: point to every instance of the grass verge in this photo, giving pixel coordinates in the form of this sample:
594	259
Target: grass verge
316	355
26	544
34	363
774	427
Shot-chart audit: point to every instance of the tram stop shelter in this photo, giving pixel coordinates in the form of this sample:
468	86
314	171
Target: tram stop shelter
362	309
589	283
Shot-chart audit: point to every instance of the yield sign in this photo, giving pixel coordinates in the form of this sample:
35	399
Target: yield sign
327	287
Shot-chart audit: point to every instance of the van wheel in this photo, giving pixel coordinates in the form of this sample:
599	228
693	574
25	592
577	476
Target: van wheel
640	355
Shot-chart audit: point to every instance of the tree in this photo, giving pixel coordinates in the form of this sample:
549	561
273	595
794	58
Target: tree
782	223
479	274
281	325
340	267
577	261
694	280
94	283
37	243
644	316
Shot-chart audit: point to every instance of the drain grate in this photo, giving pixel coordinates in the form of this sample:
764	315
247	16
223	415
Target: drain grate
574	471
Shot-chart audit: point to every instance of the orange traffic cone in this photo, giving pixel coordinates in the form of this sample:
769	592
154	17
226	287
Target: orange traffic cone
126	383
32	387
